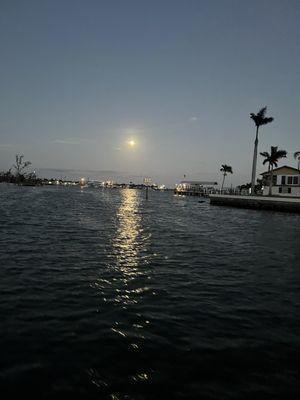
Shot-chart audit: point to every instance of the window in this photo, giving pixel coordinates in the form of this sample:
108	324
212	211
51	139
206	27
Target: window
283	180
295	180
289	190
280	190
290	180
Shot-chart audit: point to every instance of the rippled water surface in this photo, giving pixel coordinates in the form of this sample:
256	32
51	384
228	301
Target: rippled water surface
105	295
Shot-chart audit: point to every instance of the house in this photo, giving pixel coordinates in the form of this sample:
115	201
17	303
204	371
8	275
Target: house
286	182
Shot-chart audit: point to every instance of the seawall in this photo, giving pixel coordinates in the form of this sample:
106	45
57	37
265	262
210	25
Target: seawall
257	202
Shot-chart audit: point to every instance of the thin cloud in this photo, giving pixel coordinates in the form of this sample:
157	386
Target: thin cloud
72	141
193	119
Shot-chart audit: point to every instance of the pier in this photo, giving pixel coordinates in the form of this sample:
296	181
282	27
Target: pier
195	188
286	204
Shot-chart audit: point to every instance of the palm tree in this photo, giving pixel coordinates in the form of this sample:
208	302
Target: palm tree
225	169
297	156
259	120
272	159
267	156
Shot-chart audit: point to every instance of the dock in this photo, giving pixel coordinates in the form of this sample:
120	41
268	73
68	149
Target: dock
195	188
285	204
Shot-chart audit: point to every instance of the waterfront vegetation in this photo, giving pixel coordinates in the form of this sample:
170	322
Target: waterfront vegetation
19	174
245	188
226	169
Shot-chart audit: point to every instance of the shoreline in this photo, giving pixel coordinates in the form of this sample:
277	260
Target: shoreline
272	203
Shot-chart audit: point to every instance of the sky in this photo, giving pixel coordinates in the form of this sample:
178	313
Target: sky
79	79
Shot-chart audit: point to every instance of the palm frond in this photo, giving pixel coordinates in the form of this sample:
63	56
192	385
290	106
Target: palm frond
226	168
296	154
274	156
281	153
267	120
262	112
274	149
265	154
260	118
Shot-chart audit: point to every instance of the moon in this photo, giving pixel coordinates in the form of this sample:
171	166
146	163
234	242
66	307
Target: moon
131	143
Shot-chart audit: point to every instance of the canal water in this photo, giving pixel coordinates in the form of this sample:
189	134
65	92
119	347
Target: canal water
105	295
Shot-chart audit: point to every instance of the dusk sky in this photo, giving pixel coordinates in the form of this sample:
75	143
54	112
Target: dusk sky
180	78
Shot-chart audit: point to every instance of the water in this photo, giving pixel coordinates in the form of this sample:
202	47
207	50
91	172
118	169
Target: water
105	295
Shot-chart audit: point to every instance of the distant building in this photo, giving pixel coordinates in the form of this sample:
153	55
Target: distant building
286	182
195	188
147	181
109	184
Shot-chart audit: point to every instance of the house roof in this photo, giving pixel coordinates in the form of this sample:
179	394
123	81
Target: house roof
285	169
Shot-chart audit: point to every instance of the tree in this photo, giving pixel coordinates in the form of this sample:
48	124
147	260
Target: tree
297	157
259	120
247	186
7	177
20	167
272	160
225	169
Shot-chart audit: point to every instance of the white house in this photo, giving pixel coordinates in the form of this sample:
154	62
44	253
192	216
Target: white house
286	182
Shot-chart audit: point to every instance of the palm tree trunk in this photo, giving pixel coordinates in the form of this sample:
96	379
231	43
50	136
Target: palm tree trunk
223	181
271	182
269	167
254	163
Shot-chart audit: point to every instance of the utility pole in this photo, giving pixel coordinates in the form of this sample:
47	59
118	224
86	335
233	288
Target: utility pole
147	182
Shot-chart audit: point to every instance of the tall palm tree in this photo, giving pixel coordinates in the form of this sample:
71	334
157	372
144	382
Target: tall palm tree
272	160
259	120
297	156
226	169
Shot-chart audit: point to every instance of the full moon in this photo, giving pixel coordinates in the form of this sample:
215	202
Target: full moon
131	143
